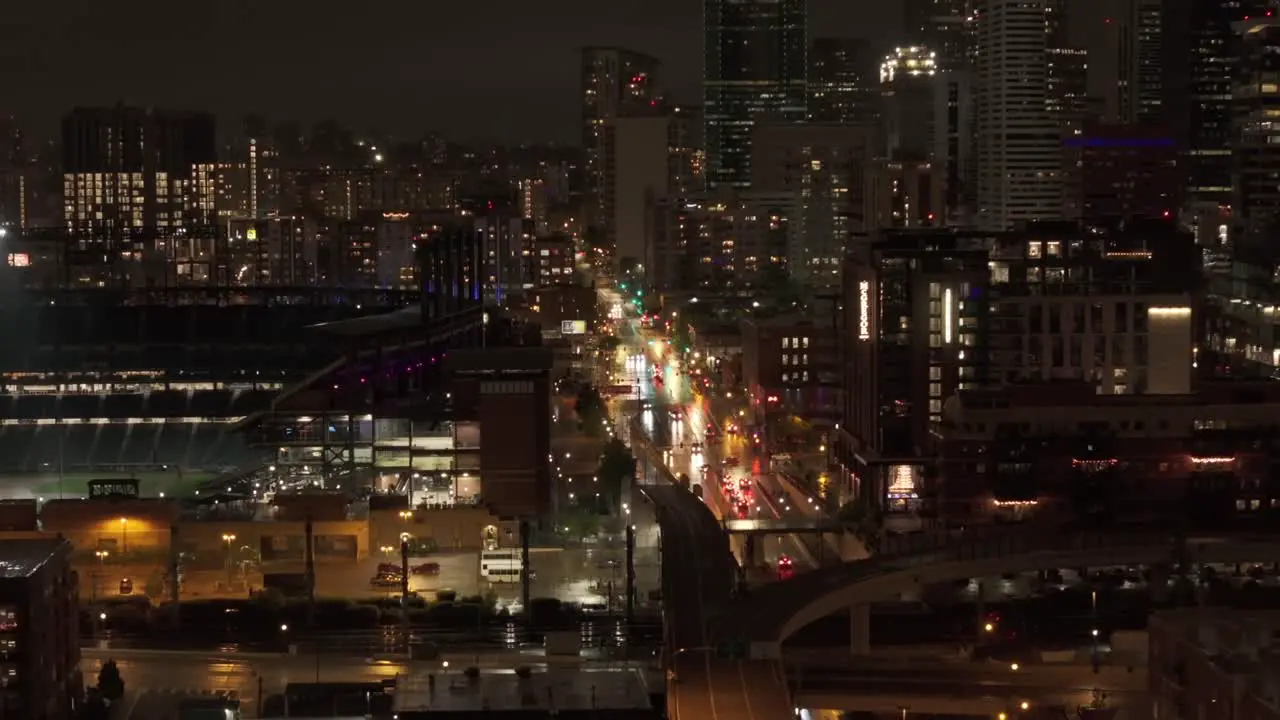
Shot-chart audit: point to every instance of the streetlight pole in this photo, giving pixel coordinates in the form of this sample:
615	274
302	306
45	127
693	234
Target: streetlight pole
227	539
124	534
97	580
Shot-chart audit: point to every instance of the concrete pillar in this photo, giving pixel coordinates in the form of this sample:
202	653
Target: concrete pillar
1159	583
860	629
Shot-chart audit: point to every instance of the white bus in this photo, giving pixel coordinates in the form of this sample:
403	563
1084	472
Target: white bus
500	566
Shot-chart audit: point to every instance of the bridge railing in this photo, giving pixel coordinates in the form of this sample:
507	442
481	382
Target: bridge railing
992	543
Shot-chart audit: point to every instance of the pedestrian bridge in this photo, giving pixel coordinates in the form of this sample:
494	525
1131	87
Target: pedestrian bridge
775	612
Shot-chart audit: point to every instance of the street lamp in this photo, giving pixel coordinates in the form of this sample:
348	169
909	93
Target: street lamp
124	534
227	539
102	557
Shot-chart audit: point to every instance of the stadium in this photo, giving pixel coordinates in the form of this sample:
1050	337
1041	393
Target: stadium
157	384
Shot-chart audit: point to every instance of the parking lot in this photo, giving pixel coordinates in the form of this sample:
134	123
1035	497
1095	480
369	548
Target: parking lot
579	575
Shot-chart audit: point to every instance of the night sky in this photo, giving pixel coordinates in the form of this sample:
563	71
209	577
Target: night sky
501	69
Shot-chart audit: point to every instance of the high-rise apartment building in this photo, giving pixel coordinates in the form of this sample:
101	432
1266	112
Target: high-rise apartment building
1200	48
942	26
139	187
842	87
722	241
953	149
1126	51
137	173
13	175
908	85
1126	170
638	176
825	165
687	157
1255	148
615	83
754	69
1018	154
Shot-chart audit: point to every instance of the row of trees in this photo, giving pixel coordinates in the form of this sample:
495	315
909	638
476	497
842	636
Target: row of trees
591	411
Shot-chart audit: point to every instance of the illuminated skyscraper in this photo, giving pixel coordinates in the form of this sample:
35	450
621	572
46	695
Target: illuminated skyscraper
842	84
754	68
1200	53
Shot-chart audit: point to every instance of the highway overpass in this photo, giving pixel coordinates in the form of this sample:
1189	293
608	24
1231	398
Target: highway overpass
776	612
698	573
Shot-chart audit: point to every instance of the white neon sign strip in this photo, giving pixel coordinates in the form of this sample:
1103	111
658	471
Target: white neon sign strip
948	308
864	308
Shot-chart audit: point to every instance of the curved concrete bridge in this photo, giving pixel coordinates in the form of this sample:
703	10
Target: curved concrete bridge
774	613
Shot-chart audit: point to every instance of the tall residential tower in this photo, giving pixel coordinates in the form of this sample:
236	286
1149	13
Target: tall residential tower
615	83
1018	154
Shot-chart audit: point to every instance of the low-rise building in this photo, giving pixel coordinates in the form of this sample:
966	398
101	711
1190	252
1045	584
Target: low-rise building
1214	663
791	367
1059	450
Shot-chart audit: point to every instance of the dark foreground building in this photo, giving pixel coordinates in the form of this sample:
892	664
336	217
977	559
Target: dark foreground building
39	637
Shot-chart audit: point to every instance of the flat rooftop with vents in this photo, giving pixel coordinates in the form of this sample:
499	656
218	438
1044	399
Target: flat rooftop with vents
612	693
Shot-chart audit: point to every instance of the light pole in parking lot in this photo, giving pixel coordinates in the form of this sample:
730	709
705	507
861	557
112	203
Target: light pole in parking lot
227	539
102	558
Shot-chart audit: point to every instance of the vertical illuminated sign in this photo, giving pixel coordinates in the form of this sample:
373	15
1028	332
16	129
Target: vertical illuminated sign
864	310
948	309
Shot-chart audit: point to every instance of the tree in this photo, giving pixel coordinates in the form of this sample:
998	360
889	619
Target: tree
590	409
110	684
681	338
580	523
155	585
863	519
617	465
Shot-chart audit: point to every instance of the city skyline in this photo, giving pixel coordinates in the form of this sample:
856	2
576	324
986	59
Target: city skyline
46	51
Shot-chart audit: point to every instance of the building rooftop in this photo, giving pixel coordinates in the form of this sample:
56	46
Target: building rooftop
20	558
558	691
402	319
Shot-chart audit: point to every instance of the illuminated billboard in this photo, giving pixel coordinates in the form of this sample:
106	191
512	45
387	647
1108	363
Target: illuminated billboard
864	310
573	327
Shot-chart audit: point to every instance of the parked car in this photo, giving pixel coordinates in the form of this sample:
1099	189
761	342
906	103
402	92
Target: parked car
426	568
385	582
